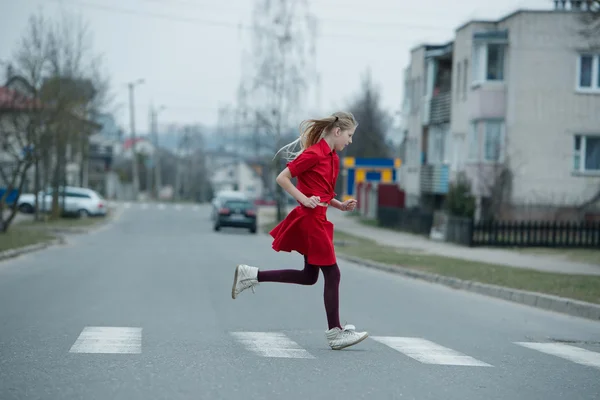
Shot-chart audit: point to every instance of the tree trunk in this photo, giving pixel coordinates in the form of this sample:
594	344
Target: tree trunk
36	188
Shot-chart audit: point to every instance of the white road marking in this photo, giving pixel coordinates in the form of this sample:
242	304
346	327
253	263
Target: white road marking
108	340
127	205
428	352
567	352
161	207
144	206
271	344
195	208
178	207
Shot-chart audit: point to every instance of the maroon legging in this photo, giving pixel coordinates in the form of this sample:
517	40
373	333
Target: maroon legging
309	276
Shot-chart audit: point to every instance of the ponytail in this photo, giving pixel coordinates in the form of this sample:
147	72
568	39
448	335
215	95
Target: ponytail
313	130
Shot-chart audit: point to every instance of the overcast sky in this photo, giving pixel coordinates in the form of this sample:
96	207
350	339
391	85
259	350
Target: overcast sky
188	51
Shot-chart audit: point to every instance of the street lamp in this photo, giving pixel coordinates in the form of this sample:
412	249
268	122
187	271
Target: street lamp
134	166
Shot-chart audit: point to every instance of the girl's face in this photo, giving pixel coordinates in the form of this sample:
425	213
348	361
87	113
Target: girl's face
341	138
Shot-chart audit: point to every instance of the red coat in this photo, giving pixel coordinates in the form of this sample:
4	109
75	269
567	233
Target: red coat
307	230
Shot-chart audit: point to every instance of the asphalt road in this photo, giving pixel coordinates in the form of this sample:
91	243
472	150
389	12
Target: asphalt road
143	310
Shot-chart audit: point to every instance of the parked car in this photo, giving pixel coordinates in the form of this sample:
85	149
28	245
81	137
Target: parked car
78	201
222	196
236	213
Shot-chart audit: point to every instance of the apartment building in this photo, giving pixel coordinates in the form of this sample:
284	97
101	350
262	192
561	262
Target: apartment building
521	117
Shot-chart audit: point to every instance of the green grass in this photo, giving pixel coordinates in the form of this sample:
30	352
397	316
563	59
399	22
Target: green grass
18	237
70	222
579	287
589	256
30	232
64	223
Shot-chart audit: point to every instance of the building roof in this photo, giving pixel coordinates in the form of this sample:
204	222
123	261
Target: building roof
11	99
430	46
127	143
513	15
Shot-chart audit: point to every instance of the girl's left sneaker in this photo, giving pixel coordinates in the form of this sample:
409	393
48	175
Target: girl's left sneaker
341	338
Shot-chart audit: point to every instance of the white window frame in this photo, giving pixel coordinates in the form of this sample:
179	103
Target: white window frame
595	86
476	141
479	64
501	140
579	167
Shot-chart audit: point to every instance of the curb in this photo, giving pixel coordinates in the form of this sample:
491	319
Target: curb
8	254
544	301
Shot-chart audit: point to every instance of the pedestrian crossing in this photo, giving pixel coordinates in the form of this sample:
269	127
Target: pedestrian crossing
428	352
128	341
108	340
156	206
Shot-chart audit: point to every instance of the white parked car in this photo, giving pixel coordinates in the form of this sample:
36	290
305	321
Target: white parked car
78	201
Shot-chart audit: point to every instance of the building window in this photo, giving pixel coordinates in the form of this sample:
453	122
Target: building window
493	140
490	135
464	88
488	62
473	140
588	72
458	82
586	153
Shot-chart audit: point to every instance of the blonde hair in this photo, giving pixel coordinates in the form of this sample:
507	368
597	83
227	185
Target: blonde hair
313	130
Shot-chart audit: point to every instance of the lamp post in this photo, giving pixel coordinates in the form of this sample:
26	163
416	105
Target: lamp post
134	165
157	172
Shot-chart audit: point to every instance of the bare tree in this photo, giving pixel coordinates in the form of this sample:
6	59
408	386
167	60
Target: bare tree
19	135
191	175
590	23
280	71
373	123
56	59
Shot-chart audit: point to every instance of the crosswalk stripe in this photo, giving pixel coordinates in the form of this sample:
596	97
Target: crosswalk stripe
567	352
271	344
428	352
160	206
108	340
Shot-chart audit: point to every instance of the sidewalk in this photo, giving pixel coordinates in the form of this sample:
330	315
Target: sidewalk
409	241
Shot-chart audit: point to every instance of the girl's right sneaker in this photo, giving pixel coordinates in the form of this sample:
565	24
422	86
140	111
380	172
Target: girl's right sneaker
341	338
245	277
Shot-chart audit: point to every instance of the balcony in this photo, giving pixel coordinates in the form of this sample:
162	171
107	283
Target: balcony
441	108
435	178
487	102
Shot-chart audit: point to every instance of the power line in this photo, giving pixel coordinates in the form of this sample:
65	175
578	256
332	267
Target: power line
328	20
321	5
227	24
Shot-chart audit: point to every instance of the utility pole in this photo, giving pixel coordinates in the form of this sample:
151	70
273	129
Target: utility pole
134	165
157	171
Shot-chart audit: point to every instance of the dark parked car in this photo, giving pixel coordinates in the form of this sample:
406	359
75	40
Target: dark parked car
237	214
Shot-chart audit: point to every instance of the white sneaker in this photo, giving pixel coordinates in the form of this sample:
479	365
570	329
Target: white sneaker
341	338
245	277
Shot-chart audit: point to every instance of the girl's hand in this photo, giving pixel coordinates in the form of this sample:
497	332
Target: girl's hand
349	205
311	202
